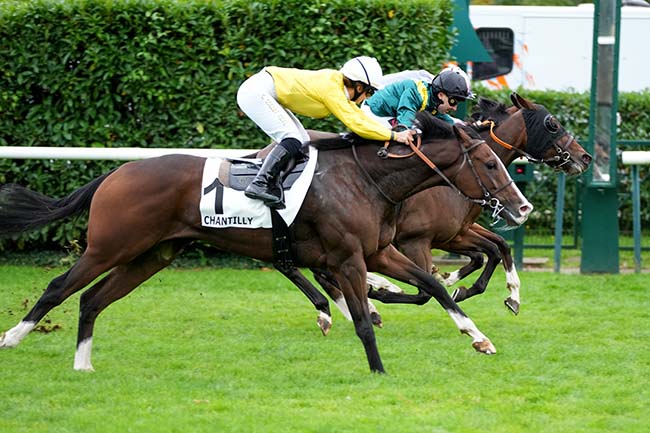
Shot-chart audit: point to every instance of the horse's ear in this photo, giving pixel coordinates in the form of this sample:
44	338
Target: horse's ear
514	97
521	102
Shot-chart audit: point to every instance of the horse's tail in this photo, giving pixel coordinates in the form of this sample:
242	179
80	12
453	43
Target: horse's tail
22	209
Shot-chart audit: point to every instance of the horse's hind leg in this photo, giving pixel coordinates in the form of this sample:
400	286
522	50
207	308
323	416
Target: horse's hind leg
121	281
319	301
331	287
475	263
76	278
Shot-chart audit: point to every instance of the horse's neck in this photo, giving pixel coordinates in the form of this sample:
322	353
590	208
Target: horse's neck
416	175
386	180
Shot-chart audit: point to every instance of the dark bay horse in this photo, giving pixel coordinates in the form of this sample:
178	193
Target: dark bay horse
525	129
142	214
439	218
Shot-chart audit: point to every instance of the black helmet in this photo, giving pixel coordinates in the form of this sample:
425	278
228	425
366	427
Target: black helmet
453	82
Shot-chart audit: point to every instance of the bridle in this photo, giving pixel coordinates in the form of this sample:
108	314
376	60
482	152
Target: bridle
562	157
489	200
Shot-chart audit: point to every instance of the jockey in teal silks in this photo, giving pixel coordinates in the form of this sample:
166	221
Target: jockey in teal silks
398	102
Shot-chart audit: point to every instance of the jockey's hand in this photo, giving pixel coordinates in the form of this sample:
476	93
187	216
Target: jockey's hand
405	136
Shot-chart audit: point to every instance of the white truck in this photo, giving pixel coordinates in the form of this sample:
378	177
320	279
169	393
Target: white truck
553	46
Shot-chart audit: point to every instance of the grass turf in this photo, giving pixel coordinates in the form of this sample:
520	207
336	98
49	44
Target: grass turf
238	351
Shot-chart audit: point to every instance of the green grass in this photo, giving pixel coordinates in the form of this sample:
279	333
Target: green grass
239	351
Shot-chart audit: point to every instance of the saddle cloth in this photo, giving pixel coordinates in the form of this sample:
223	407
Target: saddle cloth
224	206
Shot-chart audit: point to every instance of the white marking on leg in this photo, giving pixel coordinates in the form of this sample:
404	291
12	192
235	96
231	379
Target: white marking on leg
513	284
324	322
12	337
372	308
343	306
466	326
377	282
452	279
82	356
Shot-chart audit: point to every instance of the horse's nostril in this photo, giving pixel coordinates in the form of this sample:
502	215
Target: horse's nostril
526	209
586	158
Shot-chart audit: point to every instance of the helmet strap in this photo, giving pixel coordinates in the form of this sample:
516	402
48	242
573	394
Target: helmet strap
357	94
364	71
436	100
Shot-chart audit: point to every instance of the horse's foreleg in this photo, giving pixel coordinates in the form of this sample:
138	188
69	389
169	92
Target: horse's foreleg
513	283
473	244
121	281
59	289
351	278
394	264
319	301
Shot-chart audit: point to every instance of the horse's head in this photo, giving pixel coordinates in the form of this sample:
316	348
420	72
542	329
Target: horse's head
484	179
531	131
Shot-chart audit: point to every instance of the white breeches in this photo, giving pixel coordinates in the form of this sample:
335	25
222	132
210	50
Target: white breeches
257	98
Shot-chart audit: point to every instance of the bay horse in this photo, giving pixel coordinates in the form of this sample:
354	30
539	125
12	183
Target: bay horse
143	213
438	218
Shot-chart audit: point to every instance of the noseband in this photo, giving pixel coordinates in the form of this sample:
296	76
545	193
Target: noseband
488	200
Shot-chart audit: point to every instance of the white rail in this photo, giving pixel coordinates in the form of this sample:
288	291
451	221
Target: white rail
117	153
635	157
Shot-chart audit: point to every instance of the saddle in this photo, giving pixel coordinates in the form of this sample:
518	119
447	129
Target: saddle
238	173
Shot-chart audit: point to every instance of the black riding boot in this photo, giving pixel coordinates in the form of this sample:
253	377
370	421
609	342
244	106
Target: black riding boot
266	178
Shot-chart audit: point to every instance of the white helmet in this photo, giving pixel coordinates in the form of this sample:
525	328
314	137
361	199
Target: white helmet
364	69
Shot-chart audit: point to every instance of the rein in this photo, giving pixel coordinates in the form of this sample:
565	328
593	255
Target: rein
488	201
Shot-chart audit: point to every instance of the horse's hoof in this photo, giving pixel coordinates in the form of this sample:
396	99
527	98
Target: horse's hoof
512	305
324	323
85	369
484	346
376	320
460	294
2	341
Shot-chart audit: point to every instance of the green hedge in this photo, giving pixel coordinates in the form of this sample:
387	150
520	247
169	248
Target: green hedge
164	73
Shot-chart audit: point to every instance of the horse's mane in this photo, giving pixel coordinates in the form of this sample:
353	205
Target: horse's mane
487	109
432	128
435	128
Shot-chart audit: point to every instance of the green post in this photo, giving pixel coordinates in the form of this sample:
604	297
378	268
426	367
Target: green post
600	249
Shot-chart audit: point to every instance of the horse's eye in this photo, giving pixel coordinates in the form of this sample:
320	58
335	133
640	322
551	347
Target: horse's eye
491	165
